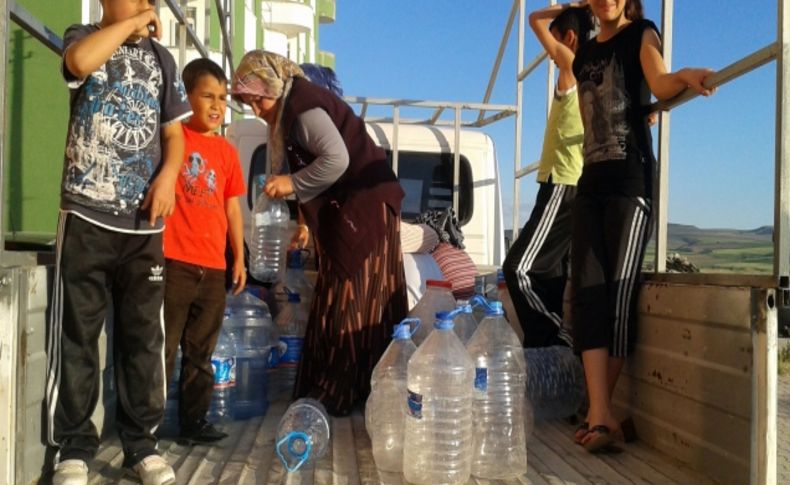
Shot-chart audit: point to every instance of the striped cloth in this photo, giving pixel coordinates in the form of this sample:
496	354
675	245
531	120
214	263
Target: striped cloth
417	238
350	323
457	268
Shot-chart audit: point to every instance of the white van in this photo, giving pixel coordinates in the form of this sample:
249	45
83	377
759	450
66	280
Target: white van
425	171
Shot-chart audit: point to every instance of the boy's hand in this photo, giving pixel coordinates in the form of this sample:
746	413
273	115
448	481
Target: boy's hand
147	24
239	277
278	186
160	199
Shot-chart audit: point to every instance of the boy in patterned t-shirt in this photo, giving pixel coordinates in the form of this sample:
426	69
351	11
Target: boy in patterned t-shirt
207	213
123	151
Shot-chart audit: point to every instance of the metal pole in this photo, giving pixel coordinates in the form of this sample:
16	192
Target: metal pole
782	178
182	38
661	190
394	148
549	79
3	68
457	162
519	95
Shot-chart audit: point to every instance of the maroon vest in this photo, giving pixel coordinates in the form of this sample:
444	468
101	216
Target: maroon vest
346	218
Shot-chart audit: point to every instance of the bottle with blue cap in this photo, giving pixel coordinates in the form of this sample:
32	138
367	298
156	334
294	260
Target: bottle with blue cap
465	323
438	432
386	408
291	324
500	448
303	435
250	322
268	236
438	297
223	364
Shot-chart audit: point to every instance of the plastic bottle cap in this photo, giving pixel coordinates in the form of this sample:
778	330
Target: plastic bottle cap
438	284
444	320
495	308
402	332
295	259
294	297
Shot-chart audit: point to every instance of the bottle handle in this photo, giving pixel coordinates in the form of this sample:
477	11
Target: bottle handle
411	320
290	439
479	300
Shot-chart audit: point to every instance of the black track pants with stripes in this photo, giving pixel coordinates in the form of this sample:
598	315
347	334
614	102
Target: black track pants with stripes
535	267
96	266
609	238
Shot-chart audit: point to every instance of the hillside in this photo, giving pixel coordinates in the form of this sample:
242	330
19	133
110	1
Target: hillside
718	250
722	250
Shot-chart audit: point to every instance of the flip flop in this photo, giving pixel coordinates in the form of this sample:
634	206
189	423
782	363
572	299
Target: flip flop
581	432
602	438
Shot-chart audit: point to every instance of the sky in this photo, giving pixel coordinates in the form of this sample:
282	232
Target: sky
721	148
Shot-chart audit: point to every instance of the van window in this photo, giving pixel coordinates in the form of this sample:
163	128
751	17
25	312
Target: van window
427	179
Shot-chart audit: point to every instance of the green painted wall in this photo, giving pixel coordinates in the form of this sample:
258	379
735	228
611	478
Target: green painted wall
36	118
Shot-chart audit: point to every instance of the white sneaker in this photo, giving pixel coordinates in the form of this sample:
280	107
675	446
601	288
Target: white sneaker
70	472
154	470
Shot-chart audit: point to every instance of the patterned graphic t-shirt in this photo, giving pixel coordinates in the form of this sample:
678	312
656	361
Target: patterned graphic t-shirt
613	97
113	146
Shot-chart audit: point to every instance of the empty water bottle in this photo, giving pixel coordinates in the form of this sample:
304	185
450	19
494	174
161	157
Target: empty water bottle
555	381
386	407
223	363
500	449
438	297
295	279
465	323
268	236
303	434
291	324
438	431
249	320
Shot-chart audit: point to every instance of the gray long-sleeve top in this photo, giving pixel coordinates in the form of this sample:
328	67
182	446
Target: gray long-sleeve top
315	131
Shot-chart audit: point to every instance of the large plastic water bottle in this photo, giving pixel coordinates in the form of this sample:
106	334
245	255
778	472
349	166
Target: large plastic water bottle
386	407
500	449
438	297
465	323
223	363
555	381
291	325
249	320
303	434
295	279
268	237
438	432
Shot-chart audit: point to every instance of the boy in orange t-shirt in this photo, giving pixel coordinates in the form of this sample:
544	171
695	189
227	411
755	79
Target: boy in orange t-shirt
207	210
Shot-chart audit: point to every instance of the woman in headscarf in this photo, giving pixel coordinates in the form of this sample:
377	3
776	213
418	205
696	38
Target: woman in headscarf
350	200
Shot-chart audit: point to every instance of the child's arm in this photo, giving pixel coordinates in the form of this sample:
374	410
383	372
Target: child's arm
92	51
540	20
236	233
161	197
663	84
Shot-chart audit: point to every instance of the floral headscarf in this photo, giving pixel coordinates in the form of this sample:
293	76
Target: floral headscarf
262	73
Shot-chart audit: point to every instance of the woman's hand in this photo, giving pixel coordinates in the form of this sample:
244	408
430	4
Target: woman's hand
278	186
301	237
695	79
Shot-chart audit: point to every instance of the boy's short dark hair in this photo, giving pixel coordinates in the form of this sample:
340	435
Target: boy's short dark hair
577	19
199	68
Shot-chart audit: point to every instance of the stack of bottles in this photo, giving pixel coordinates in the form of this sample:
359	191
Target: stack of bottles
250	322
386	407
295	280
438	433
303	435
438	297
556	386
291	325
268	237
500	448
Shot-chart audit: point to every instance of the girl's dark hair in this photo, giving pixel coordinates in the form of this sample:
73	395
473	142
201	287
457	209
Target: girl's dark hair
634	10
323	76
579	20
199	68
